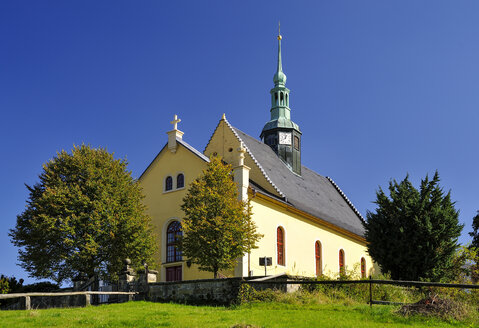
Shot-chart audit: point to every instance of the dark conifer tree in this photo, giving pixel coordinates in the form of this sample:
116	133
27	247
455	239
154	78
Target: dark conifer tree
475	231
413	233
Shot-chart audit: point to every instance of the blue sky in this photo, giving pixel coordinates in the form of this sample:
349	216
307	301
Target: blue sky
379	88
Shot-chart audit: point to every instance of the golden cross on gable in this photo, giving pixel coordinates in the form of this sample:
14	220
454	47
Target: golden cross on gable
175	122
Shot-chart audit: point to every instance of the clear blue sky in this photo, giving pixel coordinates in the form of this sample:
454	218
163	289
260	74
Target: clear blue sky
379	88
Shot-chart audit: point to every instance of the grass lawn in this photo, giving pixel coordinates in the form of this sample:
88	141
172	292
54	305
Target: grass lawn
145	314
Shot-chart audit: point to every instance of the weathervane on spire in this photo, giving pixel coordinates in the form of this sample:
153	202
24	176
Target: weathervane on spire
279	31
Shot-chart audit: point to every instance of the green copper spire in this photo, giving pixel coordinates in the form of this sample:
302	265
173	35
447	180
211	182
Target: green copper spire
280	111
280	133
279	77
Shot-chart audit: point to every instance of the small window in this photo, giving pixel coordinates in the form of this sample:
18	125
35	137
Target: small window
363	267
168	183
275	98
281	95
173	254
318	259
280	245
180	181
341	262
296	142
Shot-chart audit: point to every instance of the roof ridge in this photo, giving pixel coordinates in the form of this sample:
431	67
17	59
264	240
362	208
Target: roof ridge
355	210
252	156
193	149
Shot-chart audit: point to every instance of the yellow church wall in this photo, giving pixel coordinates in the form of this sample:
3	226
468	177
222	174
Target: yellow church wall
164	207
301	231
300	236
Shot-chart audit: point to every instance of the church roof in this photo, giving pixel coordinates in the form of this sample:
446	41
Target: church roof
192	149
310	192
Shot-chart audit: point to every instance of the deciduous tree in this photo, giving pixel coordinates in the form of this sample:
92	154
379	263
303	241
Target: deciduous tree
413	233
84	216
217	228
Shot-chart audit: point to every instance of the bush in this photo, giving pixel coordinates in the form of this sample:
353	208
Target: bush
4	285
460	303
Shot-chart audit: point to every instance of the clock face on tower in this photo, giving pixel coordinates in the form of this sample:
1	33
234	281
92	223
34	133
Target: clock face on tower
285	138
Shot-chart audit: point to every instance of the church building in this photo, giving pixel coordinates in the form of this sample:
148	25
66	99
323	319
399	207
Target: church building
309	225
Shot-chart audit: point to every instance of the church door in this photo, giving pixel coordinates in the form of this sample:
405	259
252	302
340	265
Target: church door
173	273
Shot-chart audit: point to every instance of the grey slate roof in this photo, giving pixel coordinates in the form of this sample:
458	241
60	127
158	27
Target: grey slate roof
310	192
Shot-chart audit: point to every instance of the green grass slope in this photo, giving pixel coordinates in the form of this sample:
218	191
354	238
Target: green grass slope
145	314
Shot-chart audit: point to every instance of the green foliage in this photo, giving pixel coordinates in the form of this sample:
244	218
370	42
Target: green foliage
11	284
218	228
475	231
413	233
4	287
465	268
85	216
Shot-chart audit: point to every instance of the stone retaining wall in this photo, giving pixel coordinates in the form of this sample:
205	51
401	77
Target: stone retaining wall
45	302
204	291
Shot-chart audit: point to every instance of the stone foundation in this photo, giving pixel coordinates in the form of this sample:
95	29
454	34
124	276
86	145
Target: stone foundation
204	291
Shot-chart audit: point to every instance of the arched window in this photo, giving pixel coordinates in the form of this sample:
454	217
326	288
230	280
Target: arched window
282	98
341	262
168	183
280	245
287	103
276	99
172	234
363	267
180	181
318	259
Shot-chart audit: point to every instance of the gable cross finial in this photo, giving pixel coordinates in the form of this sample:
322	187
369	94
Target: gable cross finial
175	122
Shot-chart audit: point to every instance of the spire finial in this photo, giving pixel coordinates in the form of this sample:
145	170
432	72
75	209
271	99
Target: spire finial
279	31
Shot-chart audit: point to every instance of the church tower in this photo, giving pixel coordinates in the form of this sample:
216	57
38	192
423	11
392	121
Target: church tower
280	133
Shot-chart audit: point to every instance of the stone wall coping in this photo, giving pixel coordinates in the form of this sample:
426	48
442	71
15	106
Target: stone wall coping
194	281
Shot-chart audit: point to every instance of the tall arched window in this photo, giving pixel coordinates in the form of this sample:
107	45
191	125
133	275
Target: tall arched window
280	245
318	259
180	181
168	183
341	262
363	267
281	95
172	234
